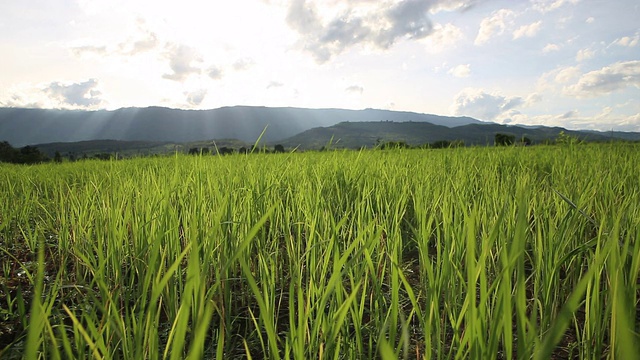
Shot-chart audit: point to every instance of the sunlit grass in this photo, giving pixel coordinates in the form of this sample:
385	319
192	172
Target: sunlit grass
432	254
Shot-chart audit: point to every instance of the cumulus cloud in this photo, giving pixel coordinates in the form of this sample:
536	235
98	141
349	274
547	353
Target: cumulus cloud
145	40
606	120
585	54
20	101
443	37
355	89
450	5
484	106
567	74
617	76
533	98
569	114
83	95
494	25
381	26
550	5
628	123
195	98
406	19
527	30
181	60
553	81
550	47
628	41
215	73
460	71
303	17
572	119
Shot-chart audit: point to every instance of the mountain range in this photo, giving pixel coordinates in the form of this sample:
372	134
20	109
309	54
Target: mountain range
156	129
22	127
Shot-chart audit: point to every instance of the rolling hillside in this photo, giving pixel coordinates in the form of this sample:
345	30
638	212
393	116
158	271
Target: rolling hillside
367	134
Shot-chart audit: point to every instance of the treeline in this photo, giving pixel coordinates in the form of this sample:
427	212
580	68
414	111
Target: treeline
440	144
228	151
24	155
499	140
32	155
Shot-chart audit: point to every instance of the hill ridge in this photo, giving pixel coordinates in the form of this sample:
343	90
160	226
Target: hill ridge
21	126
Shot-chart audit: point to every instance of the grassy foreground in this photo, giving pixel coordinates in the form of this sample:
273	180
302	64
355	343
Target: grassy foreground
475	253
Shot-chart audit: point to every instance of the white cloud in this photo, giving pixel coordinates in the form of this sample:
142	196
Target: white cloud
606	120
573	119
460	71
196	98
615	77
146	43
181	60
75	95
443	37
533	98
494	25
17	100
550	5
406	19
143	41
527	30
567	74
450	5
606	111
569	114
628	41
550	47
627	123
585	54
355	89
483	105
376	24
215	73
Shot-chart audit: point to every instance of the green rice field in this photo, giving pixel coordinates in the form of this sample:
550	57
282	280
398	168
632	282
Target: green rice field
467	253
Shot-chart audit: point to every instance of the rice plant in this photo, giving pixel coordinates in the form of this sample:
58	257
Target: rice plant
511	253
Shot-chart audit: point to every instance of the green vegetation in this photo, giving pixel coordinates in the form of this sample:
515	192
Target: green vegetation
483	253
504	139
25	155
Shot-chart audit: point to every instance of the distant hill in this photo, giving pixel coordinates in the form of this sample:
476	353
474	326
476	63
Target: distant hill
155	130
351	135
22	127
367	134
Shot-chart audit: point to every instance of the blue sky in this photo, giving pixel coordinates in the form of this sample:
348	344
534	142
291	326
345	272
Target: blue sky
570	63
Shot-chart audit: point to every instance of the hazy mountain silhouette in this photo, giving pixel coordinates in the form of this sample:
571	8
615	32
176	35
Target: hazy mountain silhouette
351	135
36	126
367	134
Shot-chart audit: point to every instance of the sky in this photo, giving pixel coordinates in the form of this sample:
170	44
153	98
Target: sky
569	63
